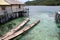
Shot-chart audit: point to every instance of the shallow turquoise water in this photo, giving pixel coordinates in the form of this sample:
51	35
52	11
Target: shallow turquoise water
47	28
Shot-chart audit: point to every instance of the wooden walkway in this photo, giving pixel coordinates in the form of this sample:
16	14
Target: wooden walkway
22	30
12	31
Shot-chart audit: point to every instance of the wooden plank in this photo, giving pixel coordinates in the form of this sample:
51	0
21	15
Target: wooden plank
22	30
12	31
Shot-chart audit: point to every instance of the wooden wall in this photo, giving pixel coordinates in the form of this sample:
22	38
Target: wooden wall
15	8
8	9
1	11
12	12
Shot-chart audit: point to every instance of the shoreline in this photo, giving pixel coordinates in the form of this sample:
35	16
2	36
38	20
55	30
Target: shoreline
42	5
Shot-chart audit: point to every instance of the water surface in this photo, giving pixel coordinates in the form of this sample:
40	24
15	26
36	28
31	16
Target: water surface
47	28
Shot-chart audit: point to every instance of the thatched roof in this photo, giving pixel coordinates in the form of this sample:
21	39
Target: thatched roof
13	2
2	2
9	2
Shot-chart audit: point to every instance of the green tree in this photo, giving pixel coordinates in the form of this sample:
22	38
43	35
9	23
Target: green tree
43	2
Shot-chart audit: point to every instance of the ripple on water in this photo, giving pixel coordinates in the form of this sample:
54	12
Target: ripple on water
45	30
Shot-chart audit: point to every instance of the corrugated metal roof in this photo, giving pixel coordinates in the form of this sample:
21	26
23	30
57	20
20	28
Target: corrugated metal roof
13	2
2	2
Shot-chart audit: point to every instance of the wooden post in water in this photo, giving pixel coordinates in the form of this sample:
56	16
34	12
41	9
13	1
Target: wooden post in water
22	30
12	31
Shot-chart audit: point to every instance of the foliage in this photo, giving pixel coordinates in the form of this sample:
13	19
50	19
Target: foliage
43	2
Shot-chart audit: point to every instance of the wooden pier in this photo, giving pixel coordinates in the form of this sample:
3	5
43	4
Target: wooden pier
12	31
22	30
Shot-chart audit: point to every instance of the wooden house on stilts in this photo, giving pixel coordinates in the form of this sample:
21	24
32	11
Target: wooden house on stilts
10	9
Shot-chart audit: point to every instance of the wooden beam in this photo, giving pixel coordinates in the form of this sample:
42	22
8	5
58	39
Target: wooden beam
22	30
12	31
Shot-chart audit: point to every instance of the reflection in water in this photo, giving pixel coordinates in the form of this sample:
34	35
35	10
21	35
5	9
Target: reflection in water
57	20
47	28
58	31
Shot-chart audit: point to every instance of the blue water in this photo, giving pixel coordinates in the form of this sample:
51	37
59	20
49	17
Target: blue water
47	28
43	9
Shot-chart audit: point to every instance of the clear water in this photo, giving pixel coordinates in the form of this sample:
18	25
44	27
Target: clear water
47	28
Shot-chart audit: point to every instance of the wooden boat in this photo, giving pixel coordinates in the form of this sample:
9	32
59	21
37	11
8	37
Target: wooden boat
57	19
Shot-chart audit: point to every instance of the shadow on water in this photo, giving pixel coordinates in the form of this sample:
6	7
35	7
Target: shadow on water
23	34
59	32
58	26
57	20
10	20
5	27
